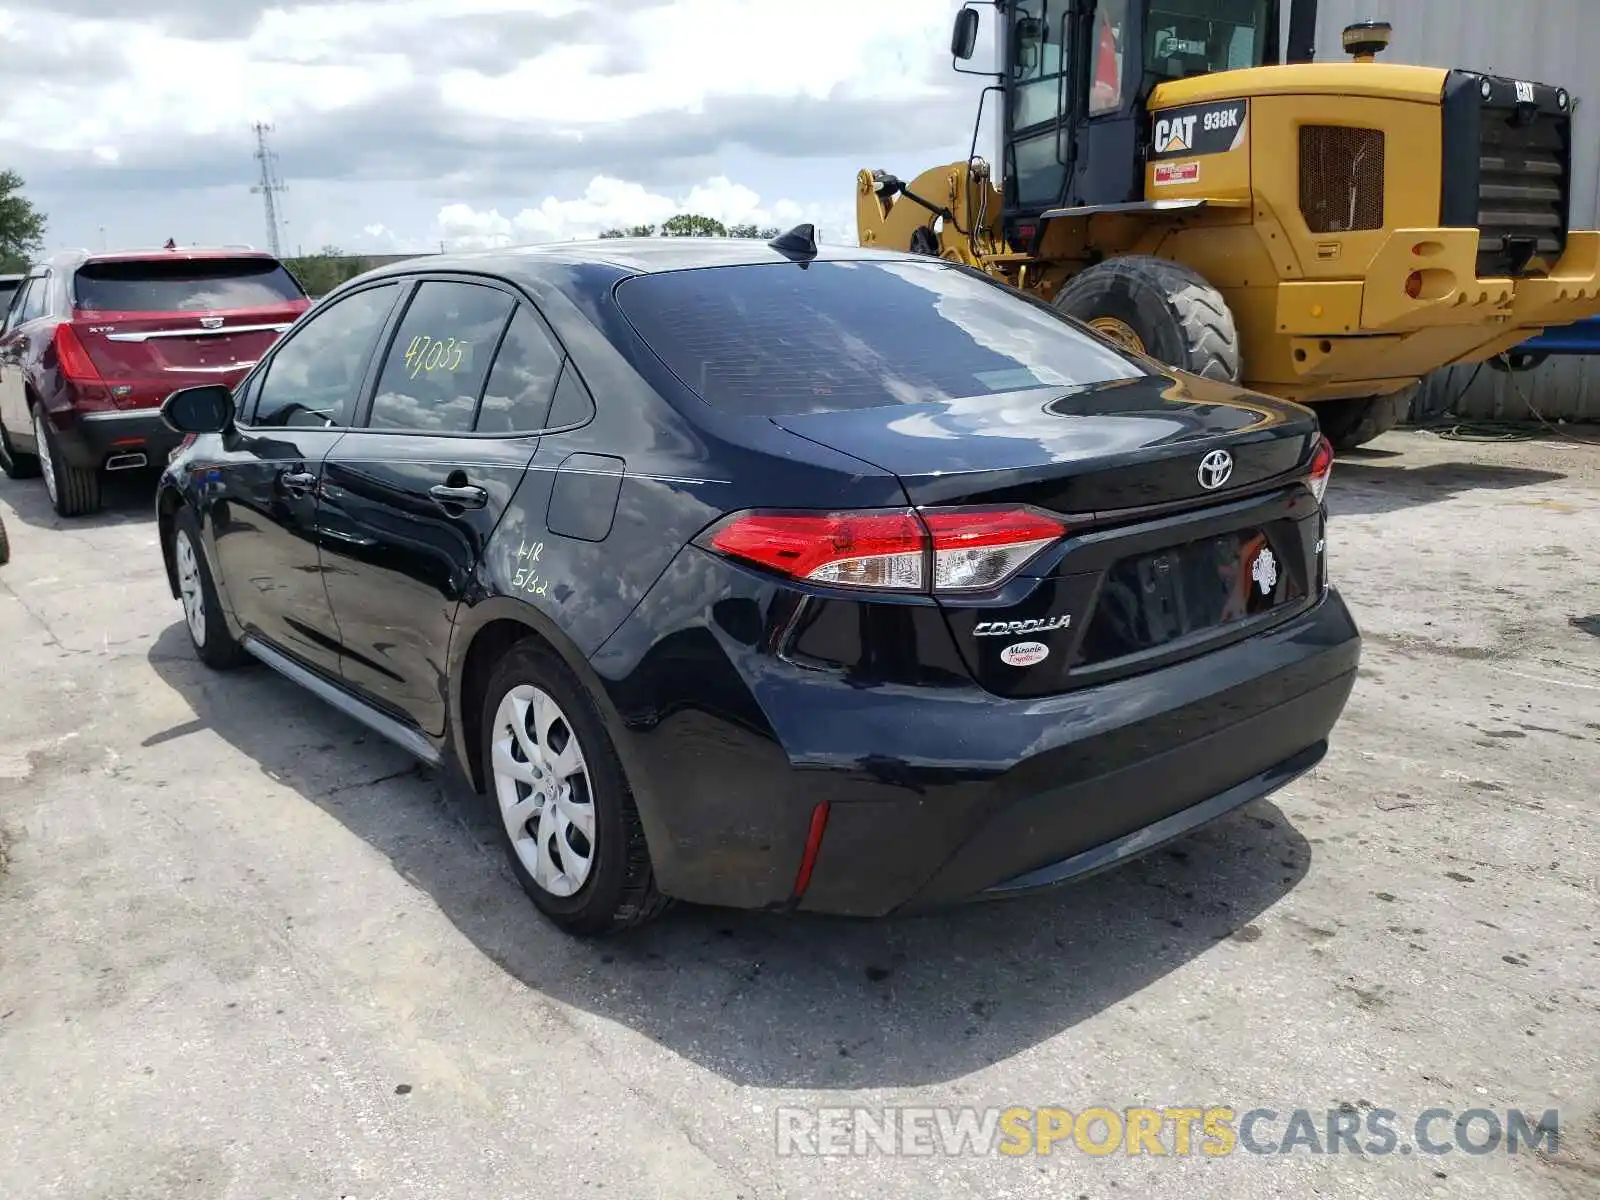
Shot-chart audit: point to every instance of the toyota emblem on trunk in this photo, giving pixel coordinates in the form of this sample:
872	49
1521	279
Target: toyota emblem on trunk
1215	468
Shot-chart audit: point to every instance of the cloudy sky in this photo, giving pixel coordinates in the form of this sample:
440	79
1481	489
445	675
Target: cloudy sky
403	123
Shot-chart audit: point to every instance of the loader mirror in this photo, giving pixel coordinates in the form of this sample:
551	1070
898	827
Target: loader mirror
964	37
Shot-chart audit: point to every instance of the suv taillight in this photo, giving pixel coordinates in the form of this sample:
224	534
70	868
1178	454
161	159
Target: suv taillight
75	362
1321	468
897	549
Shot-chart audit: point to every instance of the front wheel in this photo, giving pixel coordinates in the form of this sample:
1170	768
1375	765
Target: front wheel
14	464
1159	308
202	610
567	817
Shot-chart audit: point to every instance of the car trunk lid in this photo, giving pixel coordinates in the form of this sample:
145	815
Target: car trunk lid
1169	549
1089	452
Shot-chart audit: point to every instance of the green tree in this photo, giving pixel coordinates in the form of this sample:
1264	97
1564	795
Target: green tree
22	226
693	225
325	270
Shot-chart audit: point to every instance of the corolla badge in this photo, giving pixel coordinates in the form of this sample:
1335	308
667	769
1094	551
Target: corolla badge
1009	628
1215	469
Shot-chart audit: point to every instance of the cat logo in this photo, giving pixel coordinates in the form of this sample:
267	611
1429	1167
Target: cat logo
1174	136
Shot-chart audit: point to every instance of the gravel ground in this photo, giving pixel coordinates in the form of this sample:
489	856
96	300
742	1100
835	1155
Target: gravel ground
247	950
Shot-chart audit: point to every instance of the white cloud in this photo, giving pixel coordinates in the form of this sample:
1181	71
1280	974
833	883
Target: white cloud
614	203
105	111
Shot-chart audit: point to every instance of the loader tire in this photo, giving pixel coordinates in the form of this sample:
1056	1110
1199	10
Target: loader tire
1355	422
1172	313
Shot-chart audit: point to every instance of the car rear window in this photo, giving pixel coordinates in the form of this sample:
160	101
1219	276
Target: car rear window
787	338
146	285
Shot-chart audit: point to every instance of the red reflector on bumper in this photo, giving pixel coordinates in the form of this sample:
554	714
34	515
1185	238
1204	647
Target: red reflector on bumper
808	860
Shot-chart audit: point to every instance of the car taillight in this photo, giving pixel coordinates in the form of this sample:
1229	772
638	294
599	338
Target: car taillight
941	550
1321	468
75	362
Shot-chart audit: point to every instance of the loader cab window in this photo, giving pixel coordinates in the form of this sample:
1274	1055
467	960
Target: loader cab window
1197	37
1041	74
1039	60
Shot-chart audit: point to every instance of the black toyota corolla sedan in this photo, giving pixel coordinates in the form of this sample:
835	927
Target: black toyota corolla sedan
768	575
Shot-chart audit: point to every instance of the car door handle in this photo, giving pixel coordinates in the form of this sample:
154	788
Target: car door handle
468	496
298	482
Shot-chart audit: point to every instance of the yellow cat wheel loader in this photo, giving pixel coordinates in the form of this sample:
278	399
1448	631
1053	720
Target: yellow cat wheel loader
1330	232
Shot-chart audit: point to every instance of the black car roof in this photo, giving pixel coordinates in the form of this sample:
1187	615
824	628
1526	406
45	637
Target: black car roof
640	256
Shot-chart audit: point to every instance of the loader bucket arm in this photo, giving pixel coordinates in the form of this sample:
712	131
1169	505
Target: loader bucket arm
951	211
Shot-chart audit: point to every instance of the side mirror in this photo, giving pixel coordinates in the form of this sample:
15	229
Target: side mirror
204	409
964	37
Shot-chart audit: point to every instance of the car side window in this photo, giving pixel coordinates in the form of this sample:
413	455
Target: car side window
439	358
32	305
14	309
244	399
313	377
523	381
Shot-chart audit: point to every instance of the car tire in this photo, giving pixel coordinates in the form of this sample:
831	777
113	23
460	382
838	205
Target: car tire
5	545
561	800
1355	422
208	629
73	491
15	464
1158	308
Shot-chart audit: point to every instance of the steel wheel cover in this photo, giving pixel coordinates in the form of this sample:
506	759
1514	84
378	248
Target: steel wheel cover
189	588
541	782
43	452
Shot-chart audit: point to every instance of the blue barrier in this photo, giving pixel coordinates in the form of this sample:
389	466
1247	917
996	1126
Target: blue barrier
1581	337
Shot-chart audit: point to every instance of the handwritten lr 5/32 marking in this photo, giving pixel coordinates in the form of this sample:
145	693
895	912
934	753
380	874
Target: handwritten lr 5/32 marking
427	353
527	578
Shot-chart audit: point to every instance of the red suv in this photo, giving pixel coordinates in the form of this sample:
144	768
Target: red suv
93	343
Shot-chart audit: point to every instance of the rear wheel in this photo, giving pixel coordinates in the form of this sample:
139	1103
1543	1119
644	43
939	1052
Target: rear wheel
1159	308
13	462
567	818
73	491
1351	423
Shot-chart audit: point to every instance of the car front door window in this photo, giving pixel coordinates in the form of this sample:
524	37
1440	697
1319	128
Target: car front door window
313	378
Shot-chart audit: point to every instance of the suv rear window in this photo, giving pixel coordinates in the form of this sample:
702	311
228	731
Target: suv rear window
178	285
782	338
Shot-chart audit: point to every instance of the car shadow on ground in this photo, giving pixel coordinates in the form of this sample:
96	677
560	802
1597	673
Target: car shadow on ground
763	999
128	498
1366	484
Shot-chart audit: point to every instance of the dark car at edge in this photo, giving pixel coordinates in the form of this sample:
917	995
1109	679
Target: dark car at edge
769	575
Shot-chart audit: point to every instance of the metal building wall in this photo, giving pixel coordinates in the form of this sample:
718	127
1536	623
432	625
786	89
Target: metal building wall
1550	41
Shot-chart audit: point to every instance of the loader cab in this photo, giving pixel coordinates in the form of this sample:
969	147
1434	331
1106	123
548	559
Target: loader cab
1075	76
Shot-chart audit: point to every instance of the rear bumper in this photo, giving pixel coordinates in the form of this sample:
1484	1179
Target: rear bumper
1099	777
93	438
941	794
